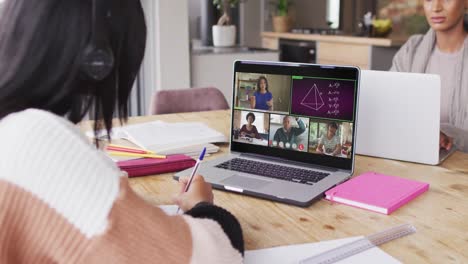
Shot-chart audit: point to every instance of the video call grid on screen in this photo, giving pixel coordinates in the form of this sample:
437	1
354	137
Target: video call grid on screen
318	102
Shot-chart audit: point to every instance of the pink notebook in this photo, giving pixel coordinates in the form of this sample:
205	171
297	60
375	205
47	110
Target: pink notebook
376	192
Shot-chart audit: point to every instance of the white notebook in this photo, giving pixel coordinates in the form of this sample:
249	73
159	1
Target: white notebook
294	253
161	137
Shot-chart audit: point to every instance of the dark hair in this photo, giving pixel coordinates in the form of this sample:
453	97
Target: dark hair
333	125
41	43
266	83
250	114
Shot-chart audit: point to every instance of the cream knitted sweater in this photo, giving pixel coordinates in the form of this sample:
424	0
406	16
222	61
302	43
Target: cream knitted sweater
64	202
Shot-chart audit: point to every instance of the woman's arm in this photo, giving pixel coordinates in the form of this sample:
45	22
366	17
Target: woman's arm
255	132
459	136
252	101
270	102
226	220
198	202
337	150
243	130
320	148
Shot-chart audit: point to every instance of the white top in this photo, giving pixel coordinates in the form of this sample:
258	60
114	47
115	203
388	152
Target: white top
444	64
54	161
88	201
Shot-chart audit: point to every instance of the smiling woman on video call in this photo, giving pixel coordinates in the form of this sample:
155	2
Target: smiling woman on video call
443	50
262	99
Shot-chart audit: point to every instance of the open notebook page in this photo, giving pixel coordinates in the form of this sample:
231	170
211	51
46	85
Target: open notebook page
158	135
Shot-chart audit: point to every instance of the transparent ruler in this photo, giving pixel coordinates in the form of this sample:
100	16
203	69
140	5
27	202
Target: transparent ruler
360	245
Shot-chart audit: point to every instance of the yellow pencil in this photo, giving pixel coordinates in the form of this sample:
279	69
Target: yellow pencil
137	155
132	148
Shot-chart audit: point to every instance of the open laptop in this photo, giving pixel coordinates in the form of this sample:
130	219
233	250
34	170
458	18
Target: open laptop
289	157
399	117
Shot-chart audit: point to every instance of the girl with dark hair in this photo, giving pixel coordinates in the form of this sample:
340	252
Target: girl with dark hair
62	200
443	50
262	98
249	130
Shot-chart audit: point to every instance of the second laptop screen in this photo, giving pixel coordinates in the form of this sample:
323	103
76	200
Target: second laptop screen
298	113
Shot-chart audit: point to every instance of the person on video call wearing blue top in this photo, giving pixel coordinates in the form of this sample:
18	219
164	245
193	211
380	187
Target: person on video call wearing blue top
262	99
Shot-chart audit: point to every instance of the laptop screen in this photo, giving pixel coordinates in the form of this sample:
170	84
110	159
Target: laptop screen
299	112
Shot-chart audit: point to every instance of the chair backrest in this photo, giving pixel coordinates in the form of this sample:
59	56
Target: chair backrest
187	100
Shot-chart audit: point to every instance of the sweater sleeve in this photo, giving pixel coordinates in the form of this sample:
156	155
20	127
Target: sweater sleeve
226	220
255	131
299	130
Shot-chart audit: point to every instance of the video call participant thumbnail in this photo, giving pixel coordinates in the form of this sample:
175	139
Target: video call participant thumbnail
329	143
262	99
249	130
331	138
263	92
290	133
245	131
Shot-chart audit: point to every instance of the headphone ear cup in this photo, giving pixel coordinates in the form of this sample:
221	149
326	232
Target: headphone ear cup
97	62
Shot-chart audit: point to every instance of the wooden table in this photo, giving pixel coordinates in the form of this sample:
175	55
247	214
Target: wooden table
440	215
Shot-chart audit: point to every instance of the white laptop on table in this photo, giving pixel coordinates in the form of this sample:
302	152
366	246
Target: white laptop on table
289	157
399	117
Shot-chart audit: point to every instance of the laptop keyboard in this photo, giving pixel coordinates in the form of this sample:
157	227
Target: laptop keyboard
273	171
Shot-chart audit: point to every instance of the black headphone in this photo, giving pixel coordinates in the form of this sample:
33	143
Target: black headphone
98	58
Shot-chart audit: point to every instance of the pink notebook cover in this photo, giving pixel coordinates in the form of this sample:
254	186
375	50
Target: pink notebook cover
377	192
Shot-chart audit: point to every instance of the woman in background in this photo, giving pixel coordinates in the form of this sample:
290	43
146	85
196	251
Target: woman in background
262	99
443	50
62	200
249	130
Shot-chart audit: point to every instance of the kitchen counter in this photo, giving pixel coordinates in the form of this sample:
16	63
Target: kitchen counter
363	52
205	50
380	42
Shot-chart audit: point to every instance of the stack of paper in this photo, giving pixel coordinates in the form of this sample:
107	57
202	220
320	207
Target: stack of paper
169	138
192	151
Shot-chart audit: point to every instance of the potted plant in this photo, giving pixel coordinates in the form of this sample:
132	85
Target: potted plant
224	33
281	18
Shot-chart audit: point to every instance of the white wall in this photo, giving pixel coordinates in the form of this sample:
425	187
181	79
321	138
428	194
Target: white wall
173	54
251	23
310	14
194	18
167	60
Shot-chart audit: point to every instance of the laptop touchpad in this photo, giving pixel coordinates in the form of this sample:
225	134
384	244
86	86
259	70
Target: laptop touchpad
239	181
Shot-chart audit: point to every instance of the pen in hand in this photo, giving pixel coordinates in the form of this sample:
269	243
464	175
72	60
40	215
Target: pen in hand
194	172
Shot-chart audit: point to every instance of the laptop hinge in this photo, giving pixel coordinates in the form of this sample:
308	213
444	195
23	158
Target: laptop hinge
288	162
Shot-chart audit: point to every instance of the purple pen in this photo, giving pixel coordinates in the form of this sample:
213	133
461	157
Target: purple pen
194	172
